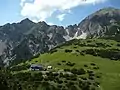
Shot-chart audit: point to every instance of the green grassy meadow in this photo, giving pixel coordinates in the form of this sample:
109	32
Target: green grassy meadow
110	69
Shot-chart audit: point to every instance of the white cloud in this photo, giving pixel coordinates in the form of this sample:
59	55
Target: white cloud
22	2
50	23
61	17
25	1
43	9
34	20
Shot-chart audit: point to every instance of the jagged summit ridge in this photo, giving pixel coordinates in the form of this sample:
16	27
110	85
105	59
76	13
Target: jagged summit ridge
27	37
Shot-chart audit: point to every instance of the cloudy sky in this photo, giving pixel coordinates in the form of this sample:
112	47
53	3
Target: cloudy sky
60	12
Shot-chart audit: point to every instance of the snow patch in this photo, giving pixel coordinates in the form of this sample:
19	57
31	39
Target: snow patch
82	36
118	29
67	31
50	36
67	37
76	34
50	46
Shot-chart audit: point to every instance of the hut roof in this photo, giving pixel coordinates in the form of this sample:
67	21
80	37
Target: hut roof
36	65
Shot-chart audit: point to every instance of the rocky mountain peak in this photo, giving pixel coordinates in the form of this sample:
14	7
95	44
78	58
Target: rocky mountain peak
108	13
32	38
43	23
98	23
107	10
26	20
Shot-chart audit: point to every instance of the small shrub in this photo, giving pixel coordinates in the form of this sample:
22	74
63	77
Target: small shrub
74	71
85	86
68	51
71	83
68	78
85	65
81	71
91	77
73	87
95	67
96	84
61	75
77	50
47	73
60	81
70	64
91	74
81	53
63	61
64	88
78	71
55	74
75	47
74	78
88	41
98	76
92	87
59	86
46	79
76	55
93	64
67	70
90	71
58	63
65	81
118	45
84	78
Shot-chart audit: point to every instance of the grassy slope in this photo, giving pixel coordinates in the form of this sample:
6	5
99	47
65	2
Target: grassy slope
110	69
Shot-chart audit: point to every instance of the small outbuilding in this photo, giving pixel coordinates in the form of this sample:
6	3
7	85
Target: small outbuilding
49	67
